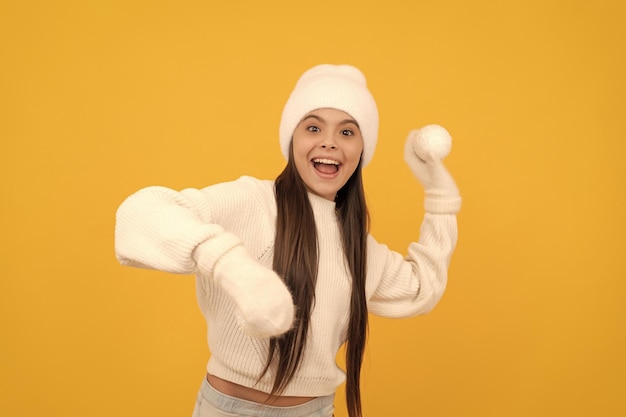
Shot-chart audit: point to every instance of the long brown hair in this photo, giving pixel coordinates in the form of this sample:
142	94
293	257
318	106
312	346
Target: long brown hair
296	261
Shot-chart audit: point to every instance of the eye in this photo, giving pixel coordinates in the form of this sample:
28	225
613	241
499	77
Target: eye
347	132
313	128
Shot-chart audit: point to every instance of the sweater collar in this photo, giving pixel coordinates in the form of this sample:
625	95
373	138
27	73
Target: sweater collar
322	206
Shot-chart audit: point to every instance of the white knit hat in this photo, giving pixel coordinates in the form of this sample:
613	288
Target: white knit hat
340	87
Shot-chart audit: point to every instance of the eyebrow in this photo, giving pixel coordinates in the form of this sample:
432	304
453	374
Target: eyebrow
321	119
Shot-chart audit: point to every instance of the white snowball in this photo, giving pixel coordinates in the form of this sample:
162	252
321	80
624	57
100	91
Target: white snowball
434	138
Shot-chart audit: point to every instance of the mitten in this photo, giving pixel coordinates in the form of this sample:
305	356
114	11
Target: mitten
423	152
265	306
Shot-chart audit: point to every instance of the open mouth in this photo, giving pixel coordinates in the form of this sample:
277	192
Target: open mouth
326	166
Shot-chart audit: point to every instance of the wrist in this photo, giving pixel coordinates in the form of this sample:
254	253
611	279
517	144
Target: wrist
210	253
442	201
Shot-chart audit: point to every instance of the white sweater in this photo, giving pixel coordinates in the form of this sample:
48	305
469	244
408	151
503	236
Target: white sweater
162	229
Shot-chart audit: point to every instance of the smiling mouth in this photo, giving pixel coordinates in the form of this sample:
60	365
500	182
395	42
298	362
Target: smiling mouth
326	166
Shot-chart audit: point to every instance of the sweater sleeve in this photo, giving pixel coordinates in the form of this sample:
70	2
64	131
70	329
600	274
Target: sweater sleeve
407	286
179	231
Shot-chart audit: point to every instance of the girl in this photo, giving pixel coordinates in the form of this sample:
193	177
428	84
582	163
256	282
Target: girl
286	270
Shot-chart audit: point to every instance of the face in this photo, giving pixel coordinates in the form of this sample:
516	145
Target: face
327	148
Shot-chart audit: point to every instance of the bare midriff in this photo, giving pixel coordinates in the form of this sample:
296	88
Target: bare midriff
249	394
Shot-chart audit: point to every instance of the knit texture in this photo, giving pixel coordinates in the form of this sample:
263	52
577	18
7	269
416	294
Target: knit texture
162	229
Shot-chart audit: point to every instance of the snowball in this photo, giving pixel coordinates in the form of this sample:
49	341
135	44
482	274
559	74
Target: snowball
433	138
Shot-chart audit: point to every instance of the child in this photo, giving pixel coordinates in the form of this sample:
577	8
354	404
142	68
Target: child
286	271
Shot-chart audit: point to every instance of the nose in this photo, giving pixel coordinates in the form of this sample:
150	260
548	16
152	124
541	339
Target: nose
329	142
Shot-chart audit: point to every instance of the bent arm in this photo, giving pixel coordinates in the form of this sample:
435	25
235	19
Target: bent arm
159	228
408	286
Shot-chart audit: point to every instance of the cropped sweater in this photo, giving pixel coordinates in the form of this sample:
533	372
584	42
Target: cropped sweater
163	229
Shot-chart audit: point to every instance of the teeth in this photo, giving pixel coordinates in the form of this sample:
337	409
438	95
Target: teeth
325	161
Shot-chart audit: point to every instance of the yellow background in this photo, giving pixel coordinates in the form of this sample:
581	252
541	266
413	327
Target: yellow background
101	98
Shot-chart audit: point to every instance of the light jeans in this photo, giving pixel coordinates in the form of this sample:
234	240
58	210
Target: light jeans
212	403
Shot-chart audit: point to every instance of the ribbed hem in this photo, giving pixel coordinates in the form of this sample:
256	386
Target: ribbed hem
300	386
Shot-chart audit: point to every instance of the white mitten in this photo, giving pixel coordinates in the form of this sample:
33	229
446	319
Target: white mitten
265	304
423	152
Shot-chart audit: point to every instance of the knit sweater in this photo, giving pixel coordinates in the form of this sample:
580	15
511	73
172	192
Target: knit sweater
163	229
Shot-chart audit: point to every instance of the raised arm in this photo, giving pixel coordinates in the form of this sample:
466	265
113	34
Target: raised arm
406	286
